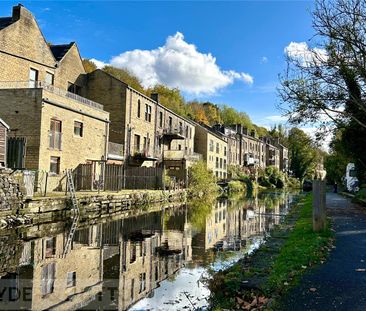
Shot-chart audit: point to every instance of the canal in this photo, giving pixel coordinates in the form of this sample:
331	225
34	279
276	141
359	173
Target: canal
149	261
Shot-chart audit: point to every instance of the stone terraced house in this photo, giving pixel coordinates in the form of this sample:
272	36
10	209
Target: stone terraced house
40	87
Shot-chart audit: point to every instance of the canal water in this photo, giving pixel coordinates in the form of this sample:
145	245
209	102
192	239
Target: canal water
151	261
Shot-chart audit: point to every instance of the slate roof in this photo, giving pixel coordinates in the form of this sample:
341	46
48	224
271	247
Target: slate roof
60	50
5	22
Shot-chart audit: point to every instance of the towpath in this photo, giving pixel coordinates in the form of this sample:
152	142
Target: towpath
340	283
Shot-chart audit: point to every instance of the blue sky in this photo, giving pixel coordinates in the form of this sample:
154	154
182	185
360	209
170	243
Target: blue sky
246	41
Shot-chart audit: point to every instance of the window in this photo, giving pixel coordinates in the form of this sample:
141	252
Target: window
187	131
78	128
55	165
181	128
142	282
138	108
217	148
217	162
179	147
73	88
211	145
133	252
147	113
224	164
48	279
161	119
71	279
49	78
137	143
50	247
225	151
132	288
170	123
220	163
55	134
33	77
190	133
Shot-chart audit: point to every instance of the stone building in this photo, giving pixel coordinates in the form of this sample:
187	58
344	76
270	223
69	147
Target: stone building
151	134
272	153
39	99
214	149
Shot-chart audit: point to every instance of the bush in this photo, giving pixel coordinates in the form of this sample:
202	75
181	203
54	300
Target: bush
236	186
201	181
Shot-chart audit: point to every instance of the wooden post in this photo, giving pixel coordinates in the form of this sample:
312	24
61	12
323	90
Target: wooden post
319	215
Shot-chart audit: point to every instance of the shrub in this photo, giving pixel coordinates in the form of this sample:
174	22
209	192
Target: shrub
201	181
236	186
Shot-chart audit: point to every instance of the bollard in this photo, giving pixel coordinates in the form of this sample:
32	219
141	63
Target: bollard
319	215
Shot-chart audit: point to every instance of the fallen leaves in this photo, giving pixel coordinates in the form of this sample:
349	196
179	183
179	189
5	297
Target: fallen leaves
255	303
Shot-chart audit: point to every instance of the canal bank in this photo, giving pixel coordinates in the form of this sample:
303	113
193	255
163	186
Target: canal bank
92	205
258	281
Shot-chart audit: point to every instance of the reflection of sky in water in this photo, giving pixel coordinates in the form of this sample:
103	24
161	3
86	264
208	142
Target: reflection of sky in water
188	289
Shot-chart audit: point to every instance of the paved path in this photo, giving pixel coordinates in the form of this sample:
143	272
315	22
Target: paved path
339	286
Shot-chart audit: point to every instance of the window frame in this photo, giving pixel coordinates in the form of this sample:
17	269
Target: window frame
58	161
81	134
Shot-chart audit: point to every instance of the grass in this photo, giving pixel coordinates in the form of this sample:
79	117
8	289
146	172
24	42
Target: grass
278	264
303	249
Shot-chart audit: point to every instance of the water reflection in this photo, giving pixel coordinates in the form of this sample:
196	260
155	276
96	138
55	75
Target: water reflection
150	261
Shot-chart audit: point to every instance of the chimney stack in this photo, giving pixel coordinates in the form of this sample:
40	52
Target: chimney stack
155	96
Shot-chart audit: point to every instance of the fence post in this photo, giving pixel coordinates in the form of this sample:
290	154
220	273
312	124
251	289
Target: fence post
319	200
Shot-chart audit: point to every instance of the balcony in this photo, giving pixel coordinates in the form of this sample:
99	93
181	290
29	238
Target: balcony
49	88
145	153
171	133
181	154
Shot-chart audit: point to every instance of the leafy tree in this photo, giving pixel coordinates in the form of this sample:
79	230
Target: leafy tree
201	182
170	98
197	112
303	154
336	161
89	65
125	76
231	116
212	112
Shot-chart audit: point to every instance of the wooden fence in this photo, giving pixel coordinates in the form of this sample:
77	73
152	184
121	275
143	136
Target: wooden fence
114	177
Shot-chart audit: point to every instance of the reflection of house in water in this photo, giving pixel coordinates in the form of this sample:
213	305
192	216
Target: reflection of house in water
50	280
139	253
231	223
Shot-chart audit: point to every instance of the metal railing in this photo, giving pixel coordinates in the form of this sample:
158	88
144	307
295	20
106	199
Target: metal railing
145	151
50	88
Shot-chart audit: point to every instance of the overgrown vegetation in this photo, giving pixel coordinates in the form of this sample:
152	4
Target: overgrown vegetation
276	266
201	181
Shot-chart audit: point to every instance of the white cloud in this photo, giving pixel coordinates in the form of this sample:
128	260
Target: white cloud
98	63
276	118
264	60
179	64
301	52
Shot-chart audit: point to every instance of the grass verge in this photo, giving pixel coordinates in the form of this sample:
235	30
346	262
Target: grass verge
258	281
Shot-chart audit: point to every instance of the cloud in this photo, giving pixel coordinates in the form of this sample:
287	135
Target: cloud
276	118
98	63
264	60
179	64
301	52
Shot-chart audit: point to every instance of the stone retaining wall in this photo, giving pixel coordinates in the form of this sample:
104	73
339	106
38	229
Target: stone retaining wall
10	195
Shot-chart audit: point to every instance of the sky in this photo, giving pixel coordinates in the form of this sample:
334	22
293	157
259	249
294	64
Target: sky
223	52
